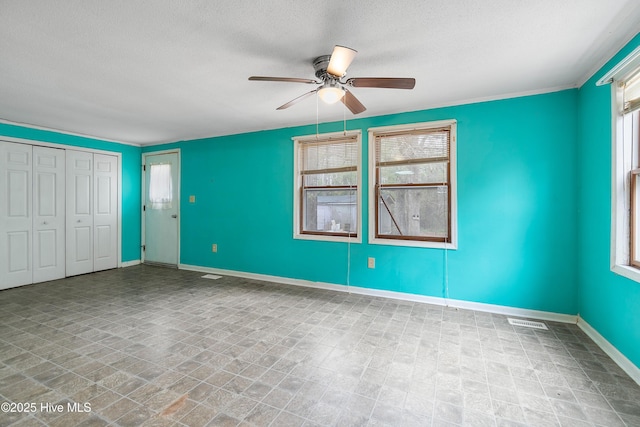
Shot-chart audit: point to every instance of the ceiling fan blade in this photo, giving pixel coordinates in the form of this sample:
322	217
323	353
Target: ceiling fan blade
282	79
382	82
296	100
340	60
352	103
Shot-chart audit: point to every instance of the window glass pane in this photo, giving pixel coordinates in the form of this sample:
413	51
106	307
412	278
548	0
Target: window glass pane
414	212
425	173
331	179
160	187
330	211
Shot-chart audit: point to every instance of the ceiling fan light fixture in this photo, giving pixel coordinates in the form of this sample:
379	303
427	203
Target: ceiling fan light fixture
329	71
330	93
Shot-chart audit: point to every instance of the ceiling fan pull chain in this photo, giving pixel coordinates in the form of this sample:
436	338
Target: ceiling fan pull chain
344	118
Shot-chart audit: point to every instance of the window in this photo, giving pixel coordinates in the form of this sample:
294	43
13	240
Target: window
412	177
631	136
160	186
327	185
625	237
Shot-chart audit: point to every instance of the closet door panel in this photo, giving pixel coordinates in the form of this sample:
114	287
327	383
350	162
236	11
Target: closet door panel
16	224
48	214
79	212
106	212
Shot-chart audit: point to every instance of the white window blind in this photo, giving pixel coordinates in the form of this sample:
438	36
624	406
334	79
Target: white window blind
631	97
420	146
329	156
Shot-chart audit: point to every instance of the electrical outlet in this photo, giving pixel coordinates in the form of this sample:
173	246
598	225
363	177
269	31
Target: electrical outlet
371	262
214	247
192	199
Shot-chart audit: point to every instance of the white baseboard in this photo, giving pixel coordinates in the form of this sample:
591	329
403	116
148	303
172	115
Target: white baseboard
130	263
489	308
625	364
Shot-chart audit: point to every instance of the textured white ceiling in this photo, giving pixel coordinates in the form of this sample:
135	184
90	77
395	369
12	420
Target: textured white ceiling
149	71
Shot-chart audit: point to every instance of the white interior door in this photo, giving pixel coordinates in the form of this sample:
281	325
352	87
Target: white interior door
79	227
161	208
16	222
48	214
105	218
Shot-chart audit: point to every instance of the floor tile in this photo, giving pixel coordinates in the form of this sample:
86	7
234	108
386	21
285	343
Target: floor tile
159	347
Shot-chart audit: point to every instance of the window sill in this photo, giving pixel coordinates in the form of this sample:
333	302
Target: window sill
327	238
629	272
413	243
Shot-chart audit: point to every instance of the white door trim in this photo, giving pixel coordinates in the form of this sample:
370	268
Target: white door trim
34	142
143	193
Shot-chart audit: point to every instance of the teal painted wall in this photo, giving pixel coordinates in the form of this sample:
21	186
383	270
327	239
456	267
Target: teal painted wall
526	238
608	302
516	208
130	177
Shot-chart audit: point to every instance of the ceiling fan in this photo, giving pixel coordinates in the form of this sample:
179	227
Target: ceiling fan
331	70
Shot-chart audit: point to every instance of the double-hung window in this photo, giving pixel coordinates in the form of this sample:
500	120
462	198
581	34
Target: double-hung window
327	187
412	185
631	139
625	239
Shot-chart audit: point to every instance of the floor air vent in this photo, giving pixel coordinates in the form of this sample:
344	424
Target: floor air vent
527	323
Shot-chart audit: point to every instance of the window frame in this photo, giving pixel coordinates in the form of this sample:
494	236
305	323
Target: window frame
452	187
298	198
622	167
634	217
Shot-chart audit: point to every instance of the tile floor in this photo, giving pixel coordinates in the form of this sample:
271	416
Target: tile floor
158	347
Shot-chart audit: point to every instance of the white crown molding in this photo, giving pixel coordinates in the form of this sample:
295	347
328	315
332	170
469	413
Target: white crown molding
64	132
598	65
502	97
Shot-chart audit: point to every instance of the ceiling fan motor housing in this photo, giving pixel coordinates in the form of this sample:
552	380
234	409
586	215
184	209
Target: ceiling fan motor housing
320	64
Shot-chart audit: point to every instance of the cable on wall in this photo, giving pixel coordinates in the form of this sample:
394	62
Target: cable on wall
317	117
344	122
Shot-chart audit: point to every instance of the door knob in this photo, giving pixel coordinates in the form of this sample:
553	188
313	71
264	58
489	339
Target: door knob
174	216
79	220
44	222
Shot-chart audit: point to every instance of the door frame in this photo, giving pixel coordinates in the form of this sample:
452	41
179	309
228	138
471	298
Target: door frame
143	194
35	142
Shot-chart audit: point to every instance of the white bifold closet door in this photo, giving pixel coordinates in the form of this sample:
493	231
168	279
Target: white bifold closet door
92	214
48	214
15	215
105	218
31	214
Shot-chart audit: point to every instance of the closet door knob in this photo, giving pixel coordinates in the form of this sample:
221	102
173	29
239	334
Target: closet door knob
174	216
44	222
